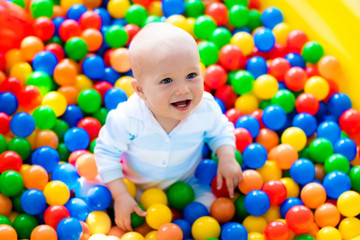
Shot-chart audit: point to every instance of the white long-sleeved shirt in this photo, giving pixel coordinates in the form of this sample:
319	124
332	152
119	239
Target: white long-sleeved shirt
151	157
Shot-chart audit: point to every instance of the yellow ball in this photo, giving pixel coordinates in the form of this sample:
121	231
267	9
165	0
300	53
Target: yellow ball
152	196
155	9
178	20
56	101
247	103
98	236
270	171
130	186
255	224
273	213
125	84
244	41
292	187
327	233
190	26
98	222
204	228
265	86
151	235
349	228
295	137
21	71
66	4
118	8
132	236
318	87
157	215
83	82
56	193
255	236
349	203
281	32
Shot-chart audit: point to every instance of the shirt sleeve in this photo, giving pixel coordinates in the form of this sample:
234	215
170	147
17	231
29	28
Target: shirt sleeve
221	130
112	141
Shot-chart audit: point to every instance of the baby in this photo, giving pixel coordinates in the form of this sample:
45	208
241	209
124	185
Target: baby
160	131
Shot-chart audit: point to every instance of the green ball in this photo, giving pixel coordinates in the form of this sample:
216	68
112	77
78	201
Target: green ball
24	224
60	129
40	80
214	157
204	26
312	52
76	48
3	144
152	19
55	39
116	36
42	8
337	161
209	53
194	8
320	149
243	82
136	14
304	237
221	36
92	145
45	117
11	183
355	178
238	16
238	157
136	220
240	211
344	135
254	19
20	3
304	153
230	3
20	146
285	99
89	100
180	194
5	220
264	104
101	115
63	151
16	202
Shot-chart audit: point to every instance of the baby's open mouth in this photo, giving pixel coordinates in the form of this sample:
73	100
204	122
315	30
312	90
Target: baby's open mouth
181	105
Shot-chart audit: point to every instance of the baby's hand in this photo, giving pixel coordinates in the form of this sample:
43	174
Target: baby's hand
124	205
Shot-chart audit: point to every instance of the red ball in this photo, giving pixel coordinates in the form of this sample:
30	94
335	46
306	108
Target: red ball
11	84
277	230
44	28
231	57
54	214
30	97
132	30
91	125
102	87
219	12
296	40
227	95
90	19
75	155
222	192
349	121
278	50
242	138
145	3
2	62
10	160
4	123
56	49
258	115
176	214
299	219
306	102
215	76
233	114
69	28
278	68
334	88
312	70
295	79
106	57
276	191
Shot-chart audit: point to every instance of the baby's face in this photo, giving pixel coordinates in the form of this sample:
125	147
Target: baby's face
172	83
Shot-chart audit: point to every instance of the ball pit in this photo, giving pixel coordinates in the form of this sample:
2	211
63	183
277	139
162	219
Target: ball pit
64	66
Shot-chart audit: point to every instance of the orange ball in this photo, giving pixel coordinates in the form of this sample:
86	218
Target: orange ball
30	46
268	138
46	138
86	166
70	93
313	195
5	206
222	209
65	73
169	231
92	38
86	231
119	60
7	232
252	180
143	229
284	155
329	67
116	231
327	215
43	232
35	177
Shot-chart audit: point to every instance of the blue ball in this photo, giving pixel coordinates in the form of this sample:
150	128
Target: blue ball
302	171
72	115
75	11
47	157
321	112
221	104
335	183
255	155
93	67
271	16
306	122
184	226
194	211
66	173
22	124
69	229
289	203
57	21
76	139
104	15
264	39
257	66
257	202
296	60
113	97
77	208
45	61
8	103
110	75
33	201
274	117
339	103
233	230
98	198
346	147
206	171
281	86
119	22
250	123
173	7
329	130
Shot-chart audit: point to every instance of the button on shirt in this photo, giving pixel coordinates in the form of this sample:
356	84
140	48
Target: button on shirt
151	157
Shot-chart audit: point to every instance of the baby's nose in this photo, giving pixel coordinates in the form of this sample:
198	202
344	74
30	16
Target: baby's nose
182	89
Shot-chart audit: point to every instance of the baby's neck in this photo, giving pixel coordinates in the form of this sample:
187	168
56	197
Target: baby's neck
167	125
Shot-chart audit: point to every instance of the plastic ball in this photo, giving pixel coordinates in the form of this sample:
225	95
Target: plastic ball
327	215
33	201
265	86
231	57
215	76
69	228
157	215
221	36
10	160
24	224
66	173
180	194
329	67
320	149
132	236
136	14
204	27
274	117
194	211
118	8
205	227
285	99
349	121
153	196
47	157
295	78
209	52
244	41
284	155
35	177
251	180
337	162
276	191
306	122
72	116
76	138
116	36
271	16
242	138
288	204
46	138
65	73
113	97
255	155
254	223
267	138
77	208
76	48
317	86
30	46
119	60
299	219
22	124
302	171
98	198
98	222
238	16
169	231
4	123
173	7
270	171
257	202
91	125
56	193
354	177
336	183
257	66
93	39
54	214
348	203
242	82
264	39
222	209
43	232
277	230
11	183
313	195
86	166
56	102
250	123
328	233
45	116
233	230
206	171
45	61
93	67
312	52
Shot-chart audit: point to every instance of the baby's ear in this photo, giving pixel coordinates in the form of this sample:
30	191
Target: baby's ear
138	88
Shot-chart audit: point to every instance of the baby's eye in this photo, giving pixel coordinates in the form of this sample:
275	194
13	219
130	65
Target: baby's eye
191	75
166	81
